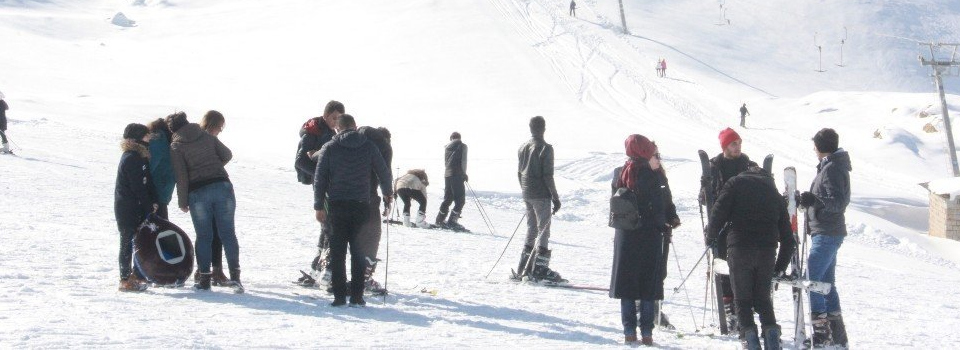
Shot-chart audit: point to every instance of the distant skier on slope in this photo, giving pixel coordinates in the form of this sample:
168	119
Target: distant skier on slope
826	204
573	8
413	185
755	217
455	174
133	199
743	115
663	67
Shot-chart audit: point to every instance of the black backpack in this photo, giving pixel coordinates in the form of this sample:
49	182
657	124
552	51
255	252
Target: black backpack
624	212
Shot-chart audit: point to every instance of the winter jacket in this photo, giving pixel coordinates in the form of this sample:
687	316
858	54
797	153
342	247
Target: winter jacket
535	170
161	167
410	181
3	115
831	187
455	159
313	135
386	151
756	213
344	170
670	209
198	160
636	254
743	111
133	195
721	170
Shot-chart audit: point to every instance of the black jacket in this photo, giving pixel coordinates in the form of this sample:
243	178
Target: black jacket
831	187
311	140
3	115
637	253
455	159
134	194
756	213
344	169
386	151
722	169
535	170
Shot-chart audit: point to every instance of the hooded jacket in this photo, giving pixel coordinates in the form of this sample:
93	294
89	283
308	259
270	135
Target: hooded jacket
535	170
345	167
133	195
161	167
198	160
831	187
455	159
313	135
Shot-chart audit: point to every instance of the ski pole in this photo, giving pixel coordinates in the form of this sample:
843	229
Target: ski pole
685	290
508	245
483	213
386	265
536	252
705	251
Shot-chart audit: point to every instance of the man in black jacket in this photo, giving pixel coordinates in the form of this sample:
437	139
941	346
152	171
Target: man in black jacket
369	237
341	186
535	173
454	175
756	220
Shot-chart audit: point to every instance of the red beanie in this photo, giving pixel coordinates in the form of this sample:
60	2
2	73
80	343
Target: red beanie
727	136
640	146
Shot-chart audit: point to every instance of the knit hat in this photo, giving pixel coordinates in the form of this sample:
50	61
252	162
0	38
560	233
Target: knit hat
727	136
826	140
135	131
640	149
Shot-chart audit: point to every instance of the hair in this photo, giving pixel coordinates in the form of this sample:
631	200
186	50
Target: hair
212	120
421	174
333	106
455	136
160	126
826	140
346	121
385	132
538	125
176	121
135	131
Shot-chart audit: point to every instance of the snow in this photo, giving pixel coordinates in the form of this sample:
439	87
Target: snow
945	186
427	68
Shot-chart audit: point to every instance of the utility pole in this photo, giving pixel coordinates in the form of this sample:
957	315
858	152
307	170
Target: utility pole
949	67
842	41
819	53
623	19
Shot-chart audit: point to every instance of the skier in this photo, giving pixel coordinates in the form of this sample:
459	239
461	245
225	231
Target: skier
368	239
755	217
573	8
637	278
826	203
723	167
455	174
161	169
743	115
343	175
134	198
204	186
535	174
413	185
658	67
313	135
663	68
4	146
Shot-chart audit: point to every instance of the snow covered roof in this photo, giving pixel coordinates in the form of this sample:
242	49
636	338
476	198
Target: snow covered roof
947	186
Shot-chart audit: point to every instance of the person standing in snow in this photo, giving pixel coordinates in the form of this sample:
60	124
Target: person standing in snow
341	188
413	185
204	190
637	278
663	67
723	167
826	204
160	166
755	217
133	199
454	176
4	146
369	236
213	123
535	174
657	66
573	8
743	115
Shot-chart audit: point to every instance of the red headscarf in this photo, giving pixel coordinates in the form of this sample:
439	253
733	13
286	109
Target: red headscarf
639	149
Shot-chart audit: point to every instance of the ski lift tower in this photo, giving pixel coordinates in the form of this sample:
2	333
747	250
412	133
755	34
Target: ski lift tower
948	67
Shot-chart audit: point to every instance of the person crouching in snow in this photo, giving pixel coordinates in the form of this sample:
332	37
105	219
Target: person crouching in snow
413	185
133	199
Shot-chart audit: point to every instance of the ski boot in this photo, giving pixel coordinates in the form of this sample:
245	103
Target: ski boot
771	338
521	268
452	222
541	268
821	337
837	330
371	285
422	220
749	339
406	220
441	218
730	311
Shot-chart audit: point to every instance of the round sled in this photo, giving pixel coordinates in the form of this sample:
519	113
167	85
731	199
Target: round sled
162	252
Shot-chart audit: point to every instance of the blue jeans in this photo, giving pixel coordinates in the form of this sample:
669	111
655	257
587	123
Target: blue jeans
210	205
628	314
821	266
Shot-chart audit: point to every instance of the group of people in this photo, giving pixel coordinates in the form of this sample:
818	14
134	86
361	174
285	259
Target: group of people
661	67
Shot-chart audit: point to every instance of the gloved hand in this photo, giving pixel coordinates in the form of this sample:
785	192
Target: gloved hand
466	178
709	242
674	223
781	275
807	199
556	206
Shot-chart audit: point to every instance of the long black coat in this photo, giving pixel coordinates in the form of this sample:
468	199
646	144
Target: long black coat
637	254
134	193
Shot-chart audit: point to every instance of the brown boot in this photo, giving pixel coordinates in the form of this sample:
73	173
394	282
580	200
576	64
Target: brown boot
130	284
218	278
646	340
630	339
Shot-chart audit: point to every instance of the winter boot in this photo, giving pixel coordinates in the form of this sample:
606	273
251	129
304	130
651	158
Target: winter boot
218	278
5	148
369	284
730	311
646	340
235	281
131	284
837	330
524	257
541	268
821	330
771	338
630	339
422	220
356	300
441	218
452	221
749	339
339	300
204	282
406	220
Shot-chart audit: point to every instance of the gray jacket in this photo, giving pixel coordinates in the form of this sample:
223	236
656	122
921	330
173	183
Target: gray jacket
198	159
455	159
344	169
831	187
535	170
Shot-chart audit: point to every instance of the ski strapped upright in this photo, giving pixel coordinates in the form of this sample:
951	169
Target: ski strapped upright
705	183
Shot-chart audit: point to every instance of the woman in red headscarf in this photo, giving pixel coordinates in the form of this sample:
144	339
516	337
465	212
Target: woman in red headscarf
636	277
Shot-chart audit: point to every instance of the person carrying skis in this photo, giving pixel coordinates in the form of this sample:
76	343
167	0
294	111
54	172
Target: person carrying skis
133	199
535	174
413	185
638	254
724	166
743	115
573	8
368	239
826	204
342	196
755	217
4	146
455	174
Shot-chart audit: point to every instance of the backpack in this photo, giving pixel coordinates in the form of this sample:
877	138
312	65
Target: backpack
624	212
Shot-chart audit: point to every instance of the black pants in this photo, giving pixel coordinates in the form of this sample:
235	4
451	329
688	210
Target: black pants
453	192
743	120
216	258
751	272
163	212
126	250
3	136
346	218
406	194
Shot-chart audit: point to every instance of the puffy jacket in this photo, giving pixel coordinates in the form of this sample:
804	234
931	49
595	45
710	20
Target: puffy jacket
455	159
723	169
386	151
410	181
535	170
161	167
831	187
344	170
133	195
313	135
198	160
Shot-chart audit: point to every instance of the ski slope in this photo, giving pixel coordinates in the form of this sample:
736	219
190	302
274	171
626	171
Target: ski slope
483	68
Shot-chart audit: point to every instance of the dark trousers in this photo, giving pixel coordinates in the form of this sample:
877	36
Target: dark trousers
406	194
163	212
3	136
743	120
126	250
751	272
216	256
453	192
628	315
346	218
